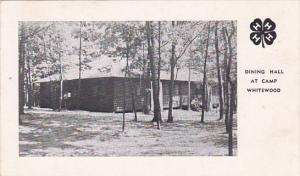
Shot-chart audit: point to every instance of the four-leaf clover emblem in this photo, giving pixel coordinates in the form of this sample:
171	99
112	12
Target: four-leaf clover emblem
263	32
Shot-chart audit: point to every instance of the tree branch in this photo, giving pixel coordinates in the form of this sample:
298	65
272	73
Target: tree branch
38	30
186	45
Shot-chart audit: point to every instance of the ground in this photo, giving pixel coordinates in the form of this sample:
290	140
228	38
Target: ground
80	133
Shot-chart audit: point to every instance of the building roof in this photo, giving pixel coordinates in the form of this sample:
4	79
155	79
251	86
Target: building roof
105	66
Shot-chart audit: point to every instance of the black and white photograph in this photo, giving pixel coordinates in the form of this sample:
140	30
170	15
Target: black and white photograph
127	88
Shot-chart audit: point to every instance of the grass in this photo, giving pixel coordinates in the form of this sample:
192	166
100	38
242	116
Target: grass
82	133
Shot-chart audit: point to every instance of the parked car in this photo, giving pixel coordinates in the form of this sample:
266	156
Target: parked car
196	104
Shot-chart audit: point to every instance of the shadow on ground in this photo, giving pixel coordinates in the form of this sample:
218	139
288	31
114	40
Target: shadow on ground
81	133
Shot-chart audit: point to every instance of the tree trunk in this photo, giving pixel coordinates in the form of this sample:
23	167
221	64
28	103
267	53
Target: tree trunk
145	84
21	70
148	87
226	91
220	92
159	67
80	67
207	99
124	103
124	87
230	120
155	85
29	83
231	98
203	96
159	54
171	86
158	120
189	90
204	75
228	70
61	81
61	93
133	90
133	106
48	70
26	86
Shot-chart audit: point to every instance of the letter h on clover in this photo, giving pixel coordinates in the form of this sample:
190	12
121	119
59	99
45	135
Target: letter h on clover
263	32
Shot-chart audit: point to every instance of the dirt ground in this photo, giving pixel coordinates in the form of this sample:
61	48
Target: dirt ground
81	133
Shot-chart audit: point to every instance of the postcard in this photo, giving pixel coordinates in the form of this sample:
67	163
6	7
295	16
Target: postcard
150	88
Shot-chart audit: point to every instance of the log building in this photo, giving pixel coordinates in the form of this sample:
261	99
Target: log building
102	91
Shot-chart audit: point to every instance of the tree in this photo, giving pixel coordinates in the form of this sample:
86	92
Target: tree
31	58
21	69
159	54
228	58
225	87
172	64
230	82
182	36
204	74
58	47
155	85
158	118
88	35
124	40
145	81
133	90
60	73
79	64
220	92
57	51
26	33
124	87
230	120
